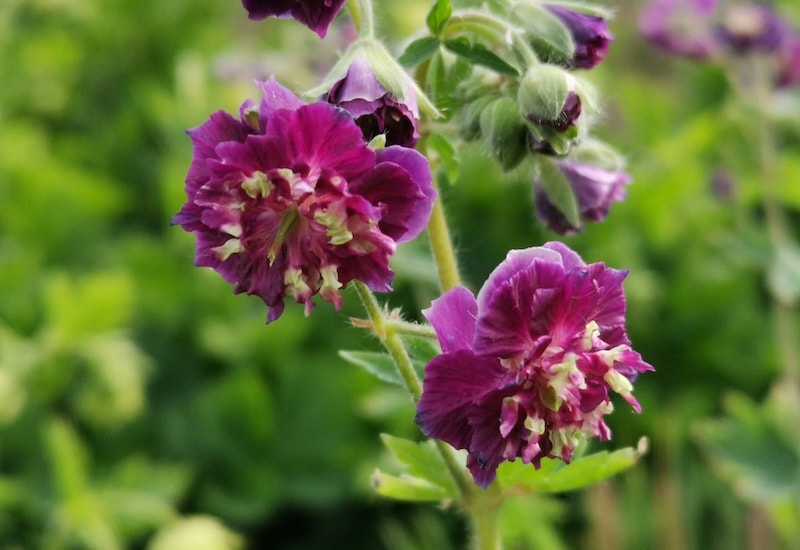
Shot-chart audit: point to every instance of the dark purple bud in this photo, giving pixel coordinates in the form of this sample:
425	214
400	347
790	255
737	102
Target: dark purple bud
595	189
375	109
569	114
317	15
590	34
723	186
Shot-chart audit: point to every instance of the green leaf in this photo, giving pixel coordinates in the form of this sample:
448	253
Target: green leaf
378	364
422	460
438	16
418	51
557	477
480	55
783	277
559	191
421	349
406	488
748	449
446	153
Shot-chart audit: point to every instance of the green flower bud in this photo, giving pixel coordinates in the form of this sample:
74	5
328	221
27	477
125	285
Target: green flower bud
505	132
547	97
471	123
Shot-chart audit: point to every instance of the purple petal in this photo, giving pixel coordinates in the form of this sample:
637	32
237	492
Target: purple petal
454	383
408	194
453	317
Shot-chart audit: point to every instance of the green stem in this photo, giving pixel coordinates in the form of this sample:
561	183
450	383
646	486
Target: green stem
363	17
774	215
442	247
485	528
390	337
412	329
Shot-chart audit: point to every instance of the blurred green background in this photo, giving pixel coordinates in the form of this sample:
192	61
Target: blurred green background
143	405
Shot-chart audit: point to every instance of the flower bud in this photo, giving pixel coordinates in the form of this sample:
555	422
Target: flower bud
505	132
375	109
546	97
471	124
589	33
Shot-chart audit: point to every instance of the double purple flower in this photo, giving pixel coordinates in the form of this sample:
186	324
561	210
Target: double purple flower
527	368
289	201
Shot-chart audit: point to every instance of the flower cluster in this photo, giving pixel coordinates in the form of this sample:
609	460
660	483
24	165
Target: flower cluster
550	115
288	200
706	29
528	366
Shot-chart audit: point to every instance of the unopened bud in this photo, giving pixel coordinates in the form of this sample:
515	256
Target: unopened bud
548	98
505	132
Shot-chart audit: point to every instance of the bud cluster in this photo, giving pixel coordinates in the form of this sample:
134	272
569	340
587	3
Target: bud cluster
546	109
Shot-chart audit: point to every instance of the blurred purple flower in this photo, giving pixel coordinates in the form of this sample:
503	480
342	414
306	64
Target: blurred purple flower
680	27
527	368
317	15
590	34
595	189
750	27
288	200
788	73
375	109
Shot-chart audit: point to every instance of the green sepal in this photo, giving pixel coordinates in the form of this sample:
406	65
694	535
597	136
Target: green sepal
543	92
555	476
480	55
549	37
558	190
424	478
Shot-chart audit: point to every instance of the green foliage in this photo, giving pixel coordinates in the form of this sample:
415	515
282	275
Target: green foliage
143	405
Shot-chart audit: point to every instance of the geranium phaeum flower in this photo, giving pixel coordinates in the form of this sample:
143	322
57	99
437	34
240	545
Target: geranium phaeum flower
288	200
317	15
595	189
528	366
376	110
680	27
750	27
788	73
590	34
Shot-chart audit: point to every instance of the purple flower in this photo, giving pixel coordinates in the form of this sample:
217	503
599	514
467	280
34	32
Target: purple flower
680	27
590	34
317	15
751	27
288	200
595	189
788	73
527	368
375	109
